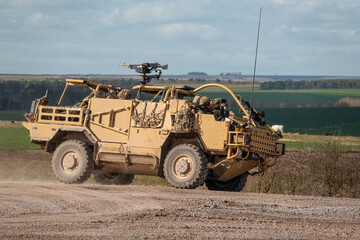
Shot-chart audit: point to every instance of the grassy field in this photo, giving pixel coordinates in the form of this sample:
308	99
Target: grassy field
287	98
273	98
318	121
15	137
302	111
12	115
304	141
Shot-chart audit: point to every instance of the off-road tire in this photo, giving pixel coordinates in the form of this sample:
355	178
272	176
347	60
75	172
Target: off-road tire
185	166
113	178
234	185
72	162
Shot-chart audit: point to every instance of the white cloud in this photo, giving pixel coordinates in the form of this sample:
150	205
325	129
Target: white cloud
183	32
344	34
302	4
161	11
41	3
178	30
280	29
143	12
110	18
282	1
331	16
37	19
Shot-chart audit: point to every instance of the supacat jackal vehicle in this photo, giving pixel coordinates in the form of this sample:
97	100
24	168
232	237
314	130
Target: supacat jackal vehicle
179	135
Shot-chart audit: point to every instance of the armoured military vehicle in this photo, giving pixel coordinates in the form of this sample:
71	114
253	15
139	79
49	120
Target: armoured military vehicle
177	134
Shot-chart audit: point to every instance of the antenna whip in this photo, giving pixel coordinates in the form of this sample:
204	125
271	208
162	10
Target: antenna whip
253	82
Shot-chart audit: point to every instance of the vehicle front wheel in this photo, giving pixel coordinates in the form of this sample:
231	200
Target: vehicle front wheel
113	178
234	185
72	162
185	166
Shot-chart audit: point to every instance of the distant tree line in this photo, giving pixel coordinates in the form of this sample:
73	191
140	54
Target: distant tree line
197	73
318	84
231	74
18	95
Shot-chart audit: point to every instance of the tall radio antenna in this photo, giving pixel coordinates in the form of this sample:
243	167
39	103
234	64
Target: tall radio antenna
253	81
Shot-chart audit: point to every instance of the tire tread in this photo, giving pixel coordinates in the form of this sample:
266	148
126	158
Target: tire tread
88	169
203	171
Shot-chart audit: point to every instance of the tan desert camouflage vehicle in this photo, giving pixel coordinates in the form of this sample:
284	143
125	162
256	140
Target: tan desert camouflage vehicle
179	135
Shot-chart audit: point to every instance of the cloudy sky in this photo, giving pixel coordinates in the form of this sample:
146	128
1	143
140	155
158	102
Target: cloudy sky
298	37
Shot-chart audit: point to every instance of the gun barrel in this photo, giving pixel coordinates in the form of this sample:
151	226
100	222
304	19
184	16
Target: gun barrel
148	65
131	66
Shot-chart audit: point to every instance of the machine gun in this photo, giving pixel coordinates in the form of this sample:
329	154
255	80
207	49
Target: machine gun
147	68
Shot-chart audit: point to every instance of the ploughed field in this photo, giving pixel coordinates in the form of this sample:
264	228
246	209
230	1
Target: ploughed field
33	205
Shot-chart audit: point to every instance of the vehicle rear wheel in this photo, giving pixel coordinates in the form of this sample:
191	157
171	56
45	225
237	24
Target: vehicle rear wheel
72	162
234	185
113	178
185	166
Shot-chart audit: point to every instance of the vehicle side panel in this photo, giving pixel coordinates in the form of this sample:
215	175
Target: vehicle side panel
110	119
43	131
213	133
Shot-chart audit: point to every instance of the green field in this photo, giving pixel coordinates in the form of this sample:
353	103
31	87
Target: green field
12	116
298	98
303	111
319	121
304	141
16	138
289	98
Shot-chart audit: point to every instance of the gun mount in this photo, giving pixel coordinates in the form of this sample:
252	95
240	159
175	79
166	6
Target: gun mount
147	68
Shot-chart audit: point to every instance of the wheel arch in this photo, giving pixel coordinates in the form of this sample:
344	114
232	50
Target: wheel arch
64	134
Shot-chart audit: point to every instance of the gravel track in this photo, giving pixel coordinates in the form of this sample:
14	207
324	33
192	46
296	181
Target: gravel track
51	210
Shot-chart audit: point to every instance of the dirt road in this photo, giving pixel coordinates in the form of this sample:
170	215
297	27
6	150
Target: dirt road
50	210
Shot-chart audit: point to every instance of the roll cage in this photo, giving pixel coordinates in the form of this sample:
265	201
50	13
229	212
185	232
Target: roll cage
177	92
166	93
